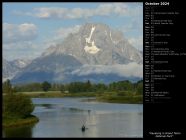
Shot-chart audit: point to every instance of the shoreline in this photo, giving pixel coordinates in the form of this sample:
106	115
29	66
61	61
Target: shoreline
13	122
111	97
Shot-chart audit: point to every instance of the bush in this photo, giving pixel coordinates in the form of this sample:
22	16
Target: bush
140	89
46	86
17	106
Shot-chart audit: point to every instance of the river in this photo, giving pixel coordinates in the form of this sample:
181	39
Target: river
63	117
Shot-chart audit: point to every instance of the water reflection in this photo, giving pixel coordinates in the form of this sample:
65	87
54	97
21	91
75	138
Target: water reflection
13	132
65	117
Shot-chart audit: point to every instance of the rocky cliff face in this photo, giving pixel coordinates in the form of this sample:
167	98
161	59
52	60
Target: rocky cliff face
11	68
97	44
93	45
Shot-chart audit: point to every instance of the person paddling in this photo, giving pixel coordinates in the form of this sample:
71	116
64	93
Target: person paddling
83	128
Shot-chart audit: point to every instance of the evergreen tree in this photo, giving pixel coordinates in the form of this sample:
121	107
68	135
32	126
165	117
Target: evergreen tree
88	86
7	87
62	88
46	86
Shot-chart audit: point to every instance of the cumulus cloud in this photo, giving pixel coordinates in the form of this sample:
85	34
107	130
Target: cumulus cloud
21	13
59	35
17	33
137	42
64	32
118	9
128	70
22	50
134	25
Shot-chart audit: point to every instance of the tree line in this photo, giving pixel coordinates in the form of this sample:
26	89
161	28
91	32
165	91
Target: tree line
75	87
15	106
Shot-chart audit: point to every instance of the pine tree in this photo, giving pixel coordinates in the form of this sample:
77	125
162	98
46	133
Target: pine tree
7	87
46	86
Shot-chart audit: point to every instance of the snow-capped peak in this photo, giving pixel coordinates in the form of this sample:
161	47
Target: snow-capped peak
90	47
20	63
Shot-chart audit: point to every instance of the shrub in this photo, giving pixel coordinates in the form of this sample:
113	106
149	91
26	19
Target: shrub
140	88
46	86
17	106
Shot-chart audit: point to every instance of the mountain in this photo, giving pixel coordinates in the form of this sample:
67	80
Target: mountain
141	53
94	48
11	68
21	63
97	44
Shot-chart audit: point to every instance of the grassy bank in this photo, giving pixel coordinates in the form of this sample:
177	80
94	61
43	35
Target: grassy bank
57	94
111	97
121	97
49	94
15	121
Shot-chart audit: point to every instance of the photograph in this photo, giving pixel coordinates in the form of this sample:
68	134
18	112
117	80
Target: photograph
72	69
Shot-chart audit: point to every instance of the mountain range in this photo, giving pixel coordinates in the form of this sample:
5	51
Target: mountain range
96	52
11	68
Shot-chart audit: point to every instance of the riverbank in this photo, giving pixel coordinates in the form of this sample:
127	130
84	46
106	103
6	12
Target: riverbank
110	97
120	99
14	121
67	115
58	94
125	97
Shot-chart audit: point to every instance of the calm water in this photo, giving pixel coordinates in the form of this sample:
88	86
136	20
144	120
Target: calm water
63	117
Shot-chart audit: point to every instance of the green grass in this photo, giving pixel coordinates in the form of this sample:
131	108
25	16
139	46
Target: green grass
15	121
84	94
40	92
44	95
112	97
57	94
124	97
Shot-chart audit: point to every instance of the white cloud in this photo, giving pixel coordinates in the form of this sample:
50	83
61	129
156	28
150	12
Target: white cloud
59	35
133	25
17	33
106	9
127	70
21	13
22	50
21	47
137	42
64	32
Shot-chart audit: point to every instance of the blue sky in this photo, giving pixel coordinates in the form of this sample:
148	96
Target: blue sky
30	28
